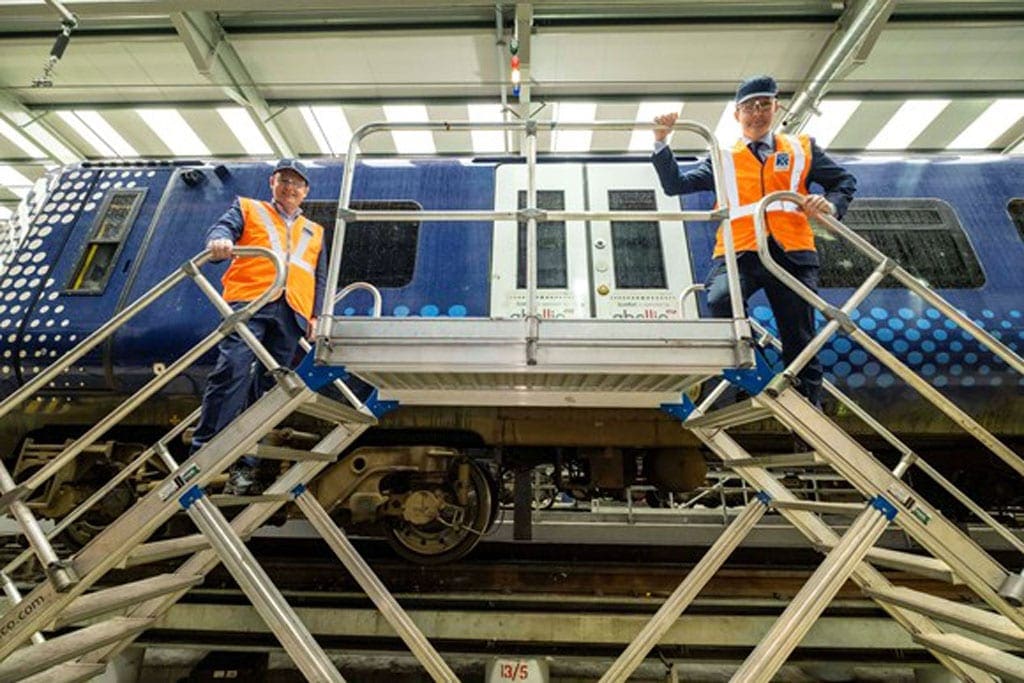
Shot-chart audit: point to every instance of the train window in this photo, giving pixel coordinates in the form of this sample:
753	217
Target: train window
923	235
1016	210
552	265
382	253
636	245
112	225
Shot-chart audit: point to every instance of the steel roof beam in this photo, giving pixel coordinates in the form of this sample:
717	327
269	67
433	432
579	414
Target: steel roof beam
847	48
216	59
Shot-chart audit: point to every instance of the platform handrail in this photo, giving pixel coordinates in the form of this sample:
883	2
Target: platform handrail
377	308
839	318
530	214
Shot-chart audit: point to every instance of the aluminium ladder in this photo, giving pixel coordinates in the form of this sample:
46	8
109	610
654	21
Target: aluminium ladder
955	557
61	601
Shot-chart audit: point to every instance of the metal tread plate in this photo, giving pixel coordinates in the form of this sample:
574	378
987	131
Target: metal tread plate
444	361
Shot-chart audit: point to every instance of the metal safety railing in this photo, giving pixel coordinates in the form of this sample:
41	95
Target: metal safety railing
531	214
15	494
838	318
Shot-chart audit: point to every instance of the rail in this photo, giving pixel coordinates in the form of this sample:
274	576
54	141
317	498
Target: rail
14	494
839	318
531	213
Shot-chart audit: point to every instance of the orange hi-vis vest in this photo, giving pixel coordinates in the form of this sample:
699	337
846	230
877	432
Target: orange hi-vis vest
747	180
299	248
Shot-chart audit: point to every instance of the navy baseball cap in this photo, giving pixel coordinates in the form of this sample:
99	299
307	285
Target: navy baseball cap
293	165
756	86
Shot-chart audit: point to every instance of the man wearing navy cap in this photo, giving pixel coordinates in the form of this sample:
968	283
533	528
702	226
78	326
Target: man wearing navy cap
757	165
238	379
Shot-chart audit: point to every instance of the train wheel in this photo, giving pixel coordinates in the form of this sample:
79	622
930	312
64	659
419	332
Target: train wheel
435	527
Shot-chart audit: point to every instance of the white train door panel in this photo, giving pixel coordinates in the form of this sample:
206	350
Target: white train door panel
639	267
563	274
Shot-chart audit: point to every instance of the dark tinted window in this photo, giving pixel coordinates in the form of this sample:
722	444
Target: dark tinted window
1016	210
636	245
109	230
382	253
923	235
552	270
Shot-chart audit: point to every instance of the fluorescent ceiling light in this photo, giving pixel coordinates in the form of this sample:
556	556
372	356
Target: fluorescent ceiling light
244	129
643	139
22	142
410	141
834	114
485	141
572	140
907	123
14	181
88	125
329	127
728	128
992	123
170	126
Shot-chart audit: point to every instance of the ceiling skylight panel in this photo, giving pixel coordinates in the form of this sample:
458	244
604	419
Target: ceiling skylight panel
643	139
486	141
907	123
834	114
410	141
329	127
97	133
245	130
572	140
170	126
14	181
20	141
728	128
992	123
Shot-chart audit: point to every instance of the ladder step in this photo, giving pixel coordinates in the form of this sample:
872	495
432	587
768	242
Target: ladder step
116	597
330	410
809	459
737	414
291	454
72	672
972	652
921	565
36	658
228	500
821	508
165	550
971	618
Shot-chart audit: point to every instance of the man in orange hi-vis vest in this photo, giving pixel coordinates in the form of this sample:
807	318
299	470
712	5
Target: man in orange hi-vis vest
761	163
238	379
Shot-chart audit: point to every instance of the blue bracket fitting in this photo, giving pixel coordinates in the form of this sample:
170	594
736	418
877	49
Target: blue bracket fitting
764	498
298	491
680	411
316	376
190	496
377	406
885	507
751	380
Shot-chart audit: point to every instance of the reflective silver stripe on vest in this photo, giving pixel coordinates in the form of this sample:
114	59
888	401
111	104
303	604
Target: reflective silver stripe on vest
300	248
731	188
799	161
271	229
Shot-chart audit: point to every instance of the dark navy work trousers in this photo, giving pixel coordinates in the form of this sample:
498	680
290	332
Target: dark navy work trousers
239	379
793	316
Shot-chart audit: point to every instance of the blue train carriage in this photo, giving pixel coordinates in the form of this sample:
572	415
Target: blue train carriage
103	235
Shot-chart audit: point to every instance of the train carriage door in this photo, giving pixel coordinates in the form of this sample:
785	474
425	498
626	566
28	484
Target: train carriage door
639	267
563	281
